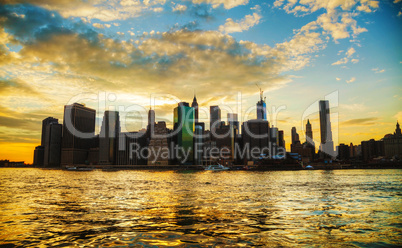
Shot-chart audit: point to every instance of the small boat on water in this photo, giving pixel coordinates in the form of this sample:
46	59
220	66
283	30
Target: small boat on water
216	167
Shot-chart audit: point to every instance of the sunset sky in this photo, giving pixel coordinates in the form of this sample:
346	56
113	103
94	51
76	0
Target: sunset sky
126	53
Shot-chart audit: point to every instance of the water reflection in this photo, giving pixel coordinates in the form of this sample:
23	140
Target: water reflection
294	208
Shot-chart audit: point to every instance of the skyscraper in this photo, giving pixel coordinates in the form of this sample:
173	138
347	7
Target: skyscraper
52	151
273	135
309	132
261	107
45	122
108	138
215	117
309	139
255	135
198	144
295	136
327	145
309	135
151	117
194	105
233	121
158	143
78	133
39	153
184	126
281	139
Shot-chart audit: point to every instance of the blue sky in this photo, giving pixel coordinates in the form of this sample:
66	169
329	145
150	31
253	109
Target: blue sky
130	51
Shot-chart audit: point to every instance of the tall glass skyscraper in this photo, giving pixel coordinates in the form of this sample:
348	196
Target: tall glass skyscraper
184	126
261	108
327	145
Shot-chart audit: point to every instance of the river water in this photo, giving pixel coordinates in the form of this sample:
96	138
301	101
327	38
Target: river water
341	208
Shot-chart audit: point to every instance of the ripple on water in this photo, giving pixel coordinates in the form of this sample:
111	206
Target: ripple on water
302	208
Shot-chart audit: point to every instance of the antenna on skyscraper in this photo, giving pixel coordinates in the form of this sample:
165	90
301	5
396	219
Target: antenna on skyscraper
261	92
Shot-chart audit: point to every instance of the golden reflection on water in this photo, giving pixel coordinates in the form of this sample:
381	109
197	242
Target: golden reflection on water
196	209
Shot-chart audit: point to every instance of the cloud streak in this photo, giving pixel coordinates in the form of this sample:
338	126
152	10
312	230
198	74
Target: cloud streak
360	122
245	24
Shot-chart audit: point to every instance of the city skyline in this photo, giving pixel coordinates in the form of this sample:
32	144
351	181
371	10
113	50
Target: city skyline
298	54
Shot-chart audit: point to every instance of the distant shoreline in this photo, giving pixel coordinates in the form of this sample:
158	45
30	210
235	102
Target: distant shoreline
292	167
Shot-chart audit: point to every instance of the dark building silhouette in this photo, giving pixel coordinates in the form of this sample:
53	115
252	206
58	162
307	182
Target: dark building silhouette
343	152
309	134
393	143
327	145
225	139
46	122
39	154
93	156
295	136
194	105
215	117
352	151
53	139
108	138
78	133
309	139
281	139
372	149
128	143
198	143
255	134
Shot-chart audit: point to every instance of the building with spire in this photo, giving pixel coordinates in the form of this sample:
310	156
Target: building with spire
309	135
393	143
194	105
261	107
184	128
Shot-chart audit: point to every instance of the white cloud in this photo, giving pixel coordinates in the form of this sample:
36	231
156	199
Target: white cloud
336	21
247	22
338	79
377	70
179	8
351	80
345	60
341	61
354	61
159	9
350	52
227	4
98	25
